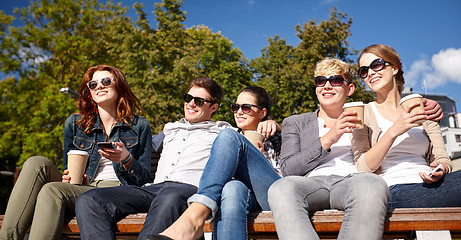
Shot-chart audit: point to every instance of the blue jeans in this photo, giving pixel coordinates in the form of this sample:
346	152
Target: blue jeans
362	196
234	157
444	193
99	210
230	221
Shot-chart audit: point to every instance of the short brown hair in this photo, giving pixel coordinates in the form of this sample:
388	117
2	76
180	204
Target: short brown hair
211	86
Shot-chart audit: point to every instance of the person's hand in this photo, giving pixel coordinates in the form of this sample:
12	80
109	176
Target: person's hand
260	146
117	154
435	176
268	128
433	110
85	180
65	176
344	124
407	120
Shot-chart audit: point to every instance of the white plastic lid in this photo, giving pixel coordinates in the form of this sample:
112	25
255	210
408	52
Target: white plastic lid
415	95
77	152
353	104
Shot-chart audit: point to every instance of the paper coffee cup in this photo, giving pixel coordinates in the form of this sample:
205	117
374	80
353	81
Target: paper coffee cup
410	99
76	163
358	107
253	137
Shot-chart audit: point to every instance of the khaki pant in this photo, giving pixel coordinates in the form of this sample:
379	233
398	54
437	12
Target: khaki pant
40	200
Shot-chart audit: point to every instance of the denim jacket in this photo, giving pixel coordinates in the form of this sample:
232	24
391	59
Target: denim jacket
137	139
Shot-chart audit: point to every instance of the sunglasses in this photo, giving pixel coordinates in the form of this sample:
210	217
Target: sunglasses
377	65
246	108
335	81
197	100
93	84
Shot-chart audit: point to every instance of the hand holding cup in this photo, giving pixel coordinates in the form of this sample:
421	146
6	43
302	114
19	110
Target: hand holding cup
413	103
76	163
358	108
253	137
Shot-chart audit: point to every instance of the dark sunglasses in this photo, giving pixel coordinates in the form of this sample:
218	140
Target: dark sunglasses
335	81
377	65
197	100
246	108
93	84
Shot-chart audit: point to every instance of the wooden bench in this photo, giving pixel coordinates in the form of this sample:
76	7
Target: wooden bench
406	223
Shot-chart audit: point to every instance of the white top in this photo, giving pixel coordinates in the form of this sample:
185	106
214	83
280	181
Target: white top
105	170
186	149
340	160
407	156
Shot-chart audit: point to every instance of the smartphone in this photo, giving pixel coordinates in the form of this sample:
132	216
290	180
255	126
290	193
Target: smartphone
105	145
435	169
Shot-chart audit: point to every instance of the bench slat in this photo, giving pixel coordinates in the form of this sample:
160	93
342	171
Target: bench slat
402	222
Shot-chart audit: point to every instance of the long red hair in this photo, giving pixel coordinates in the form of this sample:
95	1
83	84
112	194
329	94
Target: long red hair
127	103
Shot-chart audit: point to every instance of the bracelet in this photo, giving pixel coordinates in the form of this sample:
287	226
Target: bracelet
127	159
447	167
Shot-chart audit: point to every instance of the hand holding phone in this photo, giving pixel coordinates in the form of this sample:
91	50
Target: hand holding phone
105	145
435	169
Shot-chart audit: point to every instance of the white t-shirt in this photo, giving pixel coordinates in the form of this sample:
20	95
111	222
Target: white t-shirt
340	160
407	156
186	149
105	170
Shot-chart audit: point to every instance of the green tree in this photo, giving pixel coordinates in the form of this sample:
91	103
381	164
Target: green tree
277	71
287	72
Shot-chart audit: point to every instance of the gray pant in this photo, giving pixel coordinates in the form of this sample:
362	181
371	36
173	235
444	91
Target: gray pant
40	200
362	196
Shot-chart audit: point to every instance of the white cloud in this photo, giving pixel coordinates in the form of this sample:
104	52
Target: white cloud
448	64
443	68
417	69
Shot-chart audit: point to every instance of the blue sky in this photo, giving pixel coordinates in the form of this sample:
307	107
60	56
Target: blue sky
426	33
